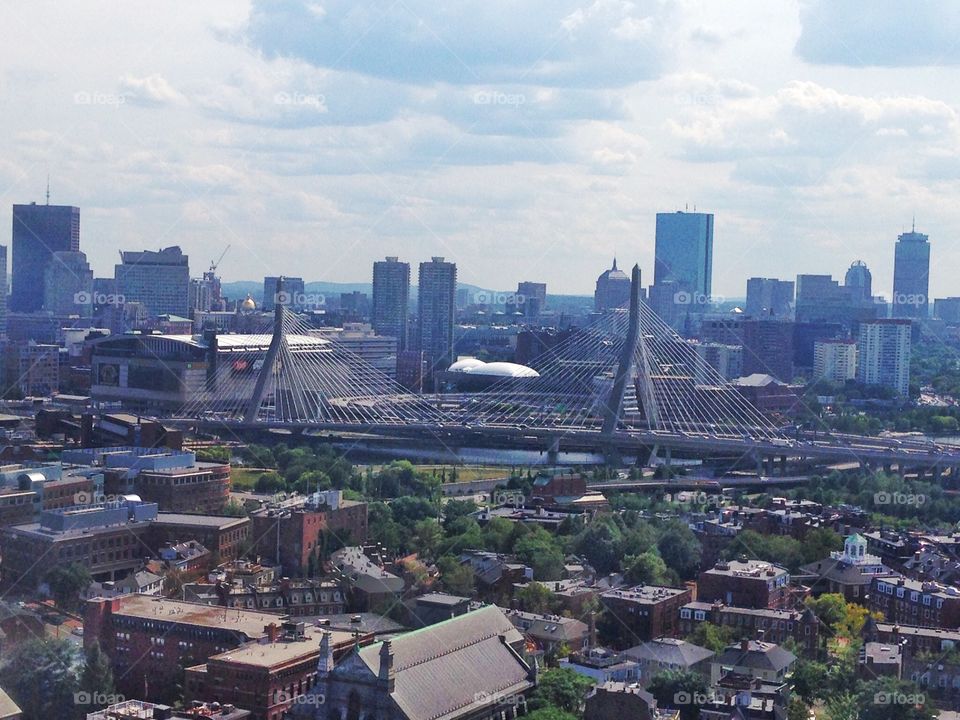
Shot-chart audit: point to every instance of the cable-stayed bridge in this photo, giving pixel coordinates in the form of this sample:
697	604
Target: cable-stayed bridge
626	383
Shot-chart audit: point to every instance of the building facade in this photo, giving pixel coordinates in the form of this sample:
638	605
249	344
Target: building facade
883	354
835	360
911	275
769	297
160	279
436	309
391	299
38	232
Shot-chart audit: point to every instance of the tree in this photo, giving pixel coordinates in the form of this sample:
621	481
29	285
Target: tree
455	509
810	680
599	543
427	537
539	550
648	569
535	598
889	698
457	579
215	454
797	709
560	688
681	689
549	713
173	581
680	550
843	707
41	676
819	543
712	637
96	679
66	582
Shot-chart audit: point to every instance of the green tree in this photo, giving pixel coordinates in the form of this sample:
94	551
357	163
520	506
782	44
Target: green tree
549	713
680	550
96	679
560	688
427	537
712	637
457	579
540	551
455	509
41	677
648	569
811	680
535	597
679	689
66	582
889	698
797	709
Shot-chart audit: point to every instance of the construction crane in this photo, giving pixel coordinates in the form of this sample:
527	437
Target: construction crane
214	264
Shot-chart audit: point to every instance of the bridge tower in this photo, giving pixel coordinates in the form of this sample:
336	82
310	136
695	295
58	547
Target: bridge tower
270	361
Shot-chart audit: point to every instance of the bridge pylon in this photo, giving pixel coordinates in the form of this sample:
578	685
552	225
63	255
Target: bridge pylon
270	360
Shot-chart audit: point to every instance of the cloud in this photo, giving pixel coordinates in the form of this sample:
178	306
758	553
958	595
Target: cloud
880	32
152	91
799	133
608	43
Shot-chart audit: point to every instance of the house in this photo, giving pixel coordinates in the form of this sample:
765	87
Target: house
647	611
619	700
745	583
369	583
551	632
603	665
848	573
470	667
752	658
669	654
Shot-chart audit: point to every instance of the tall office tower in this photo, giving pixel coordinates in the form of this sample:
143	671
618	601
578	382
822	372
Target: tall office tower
354	306
68	285
769	297
391	299
820	298
3	291
947	309
859	282
531	298
159	279
684	252
768	348
435	313
835	360
612	290
883	354
294	295
911	275
38	232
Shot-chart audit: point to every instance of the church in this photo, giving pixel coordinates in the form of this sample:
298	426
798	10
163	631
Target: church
470	667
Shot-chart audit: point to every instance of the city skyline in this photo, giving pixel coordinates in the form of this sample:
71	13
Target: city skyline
550	150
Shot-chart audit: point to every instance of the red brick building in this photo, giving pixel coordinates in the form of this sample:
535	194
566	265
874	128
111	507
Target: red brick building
647	611
225	537
204	488
913	602
745	583
755	623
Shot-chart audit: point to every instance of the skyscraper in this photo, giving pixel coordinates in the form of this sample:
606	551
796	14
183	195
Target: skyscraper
68	285
160	279
435	312
768	348
859	282
684	252
612	290
391	299
911	275
531	298
769	297
3	291
883	354
38	232
293	293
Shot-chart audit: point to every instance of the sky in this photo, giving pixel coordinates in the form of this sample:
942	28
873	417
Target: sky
523	140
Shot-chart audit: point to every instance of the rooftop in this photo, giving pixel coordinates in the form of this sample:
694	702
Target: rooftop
249	622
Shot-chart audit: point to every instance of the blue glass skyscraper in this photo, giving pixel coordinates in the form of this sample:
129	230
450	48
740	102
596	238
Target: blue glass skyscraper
684	253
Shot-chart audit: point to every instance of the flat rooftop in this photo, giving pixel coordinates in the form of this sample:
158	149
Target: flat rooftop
268	654
205	521
645	593
249	622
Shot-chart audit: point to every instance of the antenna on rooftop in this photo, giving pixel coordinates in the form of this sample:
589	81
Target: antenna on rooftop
48	188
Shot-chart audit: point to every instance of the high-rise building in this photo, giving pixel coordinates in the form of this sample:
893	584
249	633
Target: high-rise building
883	354
531	298
859	282
947	309
911	275
768	348
435	311
684	252
3	291
835	360
391	299
159	279
612	291
293	293
38	232
68	285
769	297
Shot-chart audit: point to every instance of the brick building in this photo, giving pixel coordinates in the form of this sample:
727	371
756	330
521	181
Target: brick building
149	641
755	623
647	611
914	602
225	537
745	583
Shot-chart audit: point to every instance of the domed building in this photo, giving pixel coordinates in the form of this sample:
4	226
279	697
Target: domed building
860	281
470	374
247	306
613	290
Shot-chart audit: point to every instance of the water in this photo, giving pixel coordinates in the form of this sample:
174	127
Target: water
475	456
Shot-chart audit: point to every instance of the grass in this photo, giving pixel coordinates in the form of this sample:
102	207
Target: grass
244	478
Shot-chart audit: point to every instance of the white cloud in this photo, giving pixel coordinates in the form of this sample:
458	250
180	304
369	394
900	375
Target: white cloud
152	90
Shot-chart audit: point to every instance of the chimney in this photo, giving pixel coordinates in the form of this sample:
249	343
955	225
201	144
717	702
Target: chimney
745	644
325	661
387	676
593	628
273	631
